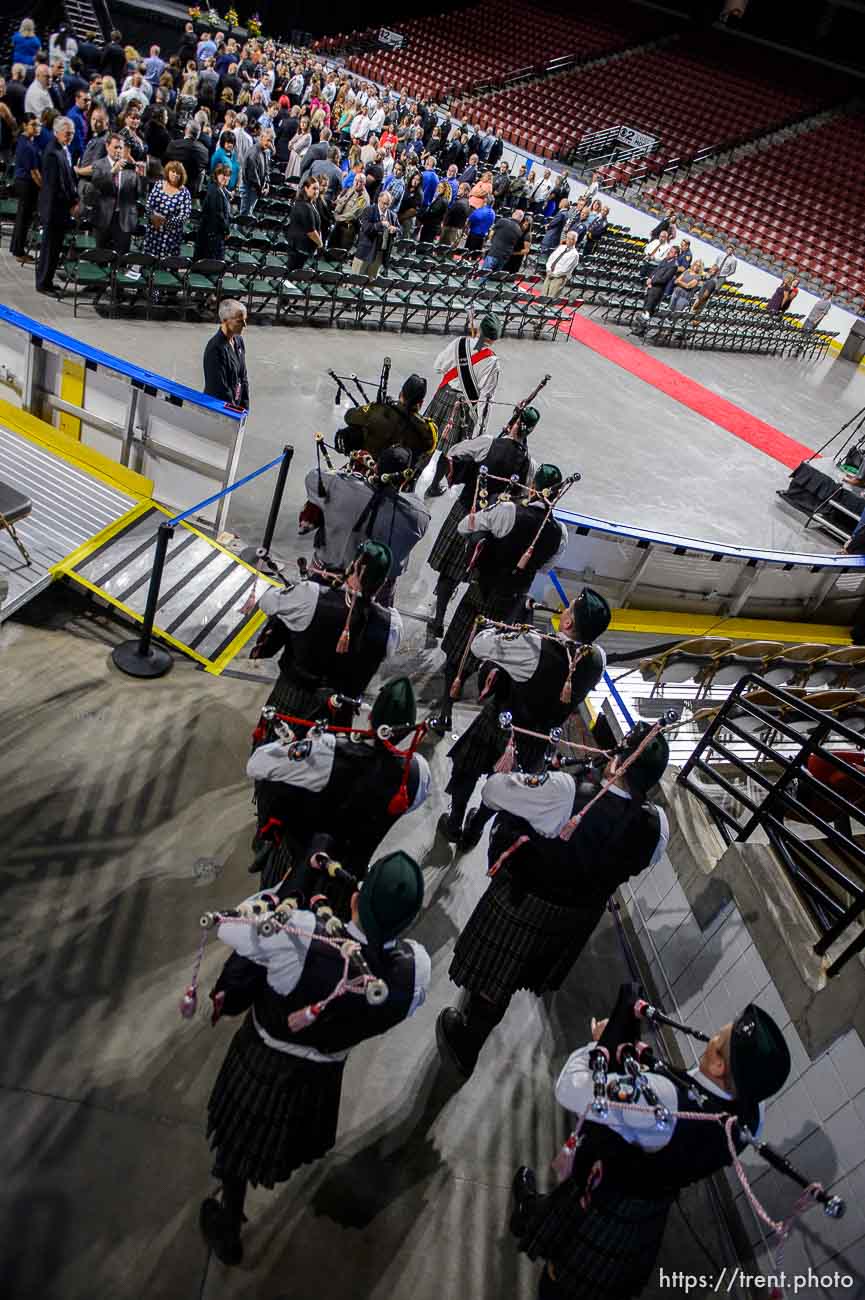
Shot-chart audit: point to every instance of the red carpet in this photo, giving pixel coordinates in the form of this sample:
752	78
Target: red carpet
740	423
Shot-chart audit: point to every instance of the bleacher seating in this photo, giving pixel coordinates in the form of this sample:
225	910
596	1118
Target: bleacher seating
798	203
705	90
453	52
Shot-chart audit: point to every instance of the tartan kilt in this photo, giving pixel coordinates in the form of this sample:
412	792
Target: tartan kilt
483	742
607	1252
514	940
445	402
270	1112
290	697
501	606
450	553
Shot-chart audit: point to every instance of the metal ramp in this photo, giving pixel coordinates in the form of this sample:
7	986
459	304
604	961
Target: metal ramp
204	592
69	505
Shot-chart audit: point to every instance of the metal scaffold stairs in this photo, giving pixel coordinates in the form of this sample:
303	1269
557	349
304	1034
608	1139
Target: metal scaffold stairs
205	607
82	18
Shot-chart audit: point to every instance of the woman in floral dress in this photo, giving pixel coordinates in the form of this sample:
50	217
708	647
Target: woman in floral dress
168	209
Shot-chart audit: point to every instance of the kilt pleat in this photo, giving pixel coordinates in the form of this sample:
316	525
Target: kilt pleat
483	742
450	553
270	1112
607	1252
292	698
442	405
514	940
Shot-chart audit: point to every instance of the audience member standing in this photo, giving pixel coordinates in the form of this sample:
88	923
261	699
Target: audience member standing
117	181
303	235
113	60
168	207
225	374
38	97
457	216
378	225
58	203
505	238
256	173
25	44
560	263
28	179
215	222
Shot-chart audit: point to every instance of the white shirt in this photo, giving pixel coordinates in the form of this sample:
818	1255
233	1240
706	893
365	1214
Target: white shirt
359	128
518	654
296	607
499	520
563	259
37	99
575	1091
376	122
284	956
485	371
656	251
548	807
272	763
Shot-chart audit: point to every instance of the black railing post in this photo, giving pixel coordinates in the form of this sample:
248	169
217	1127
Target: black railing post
260	555
140	658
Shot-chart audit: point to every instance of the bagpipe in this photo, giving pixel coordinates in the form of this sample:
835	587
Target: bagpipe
270	914
632	1060
381	385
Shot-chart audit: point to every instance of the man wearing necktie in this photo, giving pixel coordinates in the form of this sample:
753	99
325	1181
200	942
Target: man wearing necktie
560	263
58	203
117	180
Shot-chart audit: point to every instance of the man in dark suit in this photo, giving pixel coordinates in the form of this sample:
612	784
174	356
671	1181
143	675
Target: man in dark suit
117	180
378	225
113	61
58	202
316	152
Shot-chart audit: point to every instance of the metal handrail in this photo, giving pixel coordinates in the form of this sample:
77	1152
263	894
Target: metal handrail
776	796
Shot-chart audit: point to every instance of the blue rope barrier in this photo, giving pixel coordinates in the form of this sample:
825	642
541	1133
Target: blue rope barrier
611	685
225	491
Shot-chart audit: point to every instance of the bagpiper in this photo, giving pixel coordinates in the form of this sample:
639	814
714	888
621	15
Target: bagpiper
561	845
378	425
333	639
506	459
599	1231
307	998
512	541
338	794
469	370
538	680
365	501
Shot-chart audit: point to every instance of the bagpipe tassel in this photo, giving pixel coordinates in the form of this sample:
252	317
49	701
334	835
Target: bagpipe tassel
344	641
502	859
526	558
569	827
456	689
562	1164
506	762
399	802
299	1020
189	1002
566	693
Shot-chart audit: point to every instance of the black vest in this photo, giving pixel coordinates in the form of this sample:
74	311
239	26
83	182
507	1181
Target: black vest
352	807
615	840
311	658
506	458
496	565
349	1019
537	704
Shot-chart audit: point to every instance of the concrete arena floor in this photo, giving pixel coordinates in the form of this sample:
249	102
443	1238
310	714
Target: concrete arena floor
644	457
123	817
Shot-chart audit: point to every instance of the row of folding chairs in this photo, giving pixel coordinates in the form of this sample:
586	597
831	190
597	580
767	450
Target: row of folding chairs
719	661
136	282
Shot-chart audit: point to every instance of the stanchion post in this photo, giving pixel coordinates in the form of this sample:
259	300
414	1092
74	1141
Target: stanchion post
140	658
255	554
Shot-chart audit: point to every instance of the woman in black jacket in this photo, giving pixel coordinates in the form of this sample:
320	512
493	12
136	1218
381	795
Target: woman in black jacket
433	215
215	216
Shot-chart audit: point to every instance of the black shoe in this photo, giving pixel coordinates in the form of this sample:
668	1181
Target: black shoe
472	832
447	828
220	1232
440	724
434	490
450	1030
524	1191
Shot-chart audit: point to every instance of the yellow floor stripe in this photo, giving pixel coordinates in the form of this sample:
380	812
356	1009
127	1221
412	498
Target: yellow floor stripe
663	623
72	391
